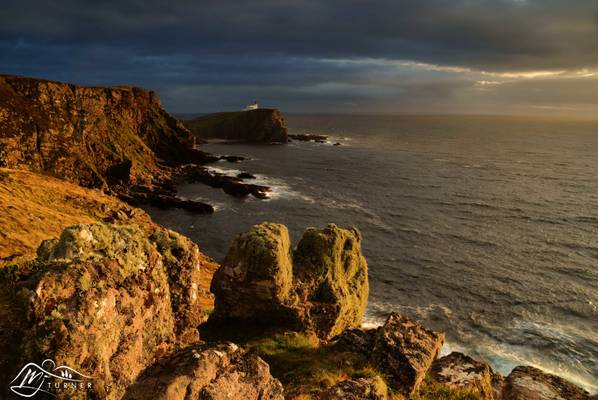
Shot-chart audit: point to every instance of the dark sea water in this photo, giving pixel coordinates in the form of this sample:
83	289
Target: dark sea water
483	227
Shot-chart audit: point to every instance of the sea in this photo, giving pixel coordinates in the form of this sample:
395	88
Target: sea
483	227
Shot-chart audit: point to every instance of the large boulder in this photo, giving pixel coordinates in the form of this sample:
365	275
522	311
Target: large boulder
104	300
331	278
401	349
256	276
460	371
529	383
321	287
209	372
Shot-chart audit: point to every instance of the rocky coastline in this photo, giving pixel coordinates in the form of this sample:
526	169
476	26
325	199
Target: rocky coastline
139	312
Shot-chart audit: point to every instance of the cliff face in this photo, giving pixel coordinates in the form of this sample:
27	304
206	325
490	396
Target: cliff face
92	136
257	126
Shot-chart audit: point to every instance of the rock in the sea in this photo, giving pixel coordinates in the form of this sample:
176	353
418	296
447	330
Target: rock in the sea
259	126
321	287
357	389
460	371
529	383
401	349
106	300
208	372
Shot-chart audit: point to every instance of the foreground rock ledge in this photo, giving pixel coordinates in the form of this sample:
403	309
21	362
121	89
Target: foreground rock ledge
322	286
104	300
208	372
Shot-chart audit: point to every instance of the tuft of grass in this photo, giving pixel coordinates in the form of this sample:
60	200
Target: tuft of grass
299	361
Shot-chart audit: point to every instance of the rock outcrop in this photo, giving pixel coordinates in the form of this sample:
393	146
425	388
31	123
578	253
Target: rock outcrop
460	371
105	300
401	349
322	286
117	138
208	372
529	383
92	136
256	126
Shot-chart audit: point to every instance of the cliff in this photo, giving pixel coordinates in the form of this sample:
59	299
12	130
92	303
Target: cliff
256	126
92	136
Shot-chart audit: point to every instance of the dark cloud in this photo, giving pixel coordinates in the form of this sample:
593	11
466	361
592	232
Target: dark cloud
283	49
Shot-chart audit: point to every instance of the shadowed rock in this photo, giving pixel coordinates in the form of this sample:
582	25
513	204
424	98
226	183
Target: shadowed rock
258	126
529	383
208	372
322	287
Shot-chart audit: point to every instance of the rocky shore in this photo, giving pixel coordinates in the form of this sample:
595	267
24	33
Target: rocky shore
137	311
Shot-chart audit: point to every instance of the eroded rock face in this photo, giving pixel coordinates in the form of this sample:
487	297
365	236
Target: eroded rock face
401	349
210	372
463	372
529	383
358	389
322	287
91	136
106	300
259	126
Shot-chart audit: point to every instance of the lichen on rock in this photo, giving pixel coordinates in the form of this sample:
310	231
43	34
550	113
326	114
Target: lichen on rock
322	286
99	301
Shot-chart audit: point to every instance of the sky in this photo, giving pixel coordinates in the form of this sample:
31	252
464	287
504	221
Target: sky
536	57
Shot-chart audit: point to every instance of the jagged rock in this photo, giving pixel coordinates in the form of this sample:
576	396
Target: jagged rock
401	349
105	300
208	372
457	370
359	389
259	126
323	287
529	383
405	350
232	185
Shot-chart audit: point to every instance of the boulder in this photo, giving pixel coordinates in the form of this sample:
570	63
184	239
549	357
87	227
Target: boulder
105	300
255	279
529	383
210	372
358	389
401	349
405	350
459	371
322	287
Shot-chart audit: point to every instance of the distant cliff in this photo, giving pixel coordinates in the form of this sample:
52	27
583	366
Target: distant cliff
258	126
92	136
